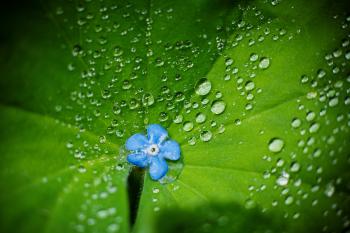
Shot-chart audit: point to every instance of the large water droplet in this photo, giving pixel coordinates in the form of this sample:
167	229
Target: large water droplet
205	135
200	118
276	145
264	63
296	122
218	107
188	126
203	87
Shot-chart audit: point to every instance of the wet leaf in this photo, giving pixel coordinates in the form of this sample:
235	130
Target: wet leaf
256	93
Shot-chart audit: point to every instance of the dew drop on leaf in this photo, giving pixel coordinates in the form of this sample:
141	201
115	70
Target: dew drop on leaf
254	57
289	200
203	87
296	122
314	127
250	85
205	135
178	119
147	99
200	118
264	63
218	107
295	167
187	126
276	145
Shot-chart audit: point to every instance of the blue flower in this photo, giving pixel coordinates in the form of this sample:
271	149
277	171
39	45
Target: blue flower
152	150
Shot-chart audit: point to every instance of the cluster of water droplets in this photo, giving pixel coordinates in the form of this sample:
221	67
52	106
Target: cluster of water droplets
304	170
128	79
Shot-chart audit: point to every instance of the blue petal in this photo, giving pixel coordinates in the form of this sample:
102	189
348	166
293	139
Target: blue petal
138	159
136	142
170	150
156	133
158	168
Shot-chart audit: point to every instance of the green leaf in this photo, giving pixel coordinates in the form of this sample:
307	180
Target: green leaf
265	142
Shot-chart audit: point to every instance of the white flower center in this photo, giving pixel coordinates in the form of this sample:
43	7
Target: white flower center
153	149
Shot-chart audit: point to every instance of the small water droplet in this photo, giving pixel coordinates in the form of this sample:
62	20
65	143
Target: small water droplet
155	190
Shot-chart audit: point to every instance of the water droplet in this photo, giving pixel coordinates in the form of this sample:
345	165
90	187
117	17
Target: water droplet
205	135
228	61
296	122
178	119
310	116
187	126
192	141
276	145
254	57
102	139
218	107
314	127
264	63
289	200
329	190
81	169
147	99
294	167
250	85
249	204
283	179
69	145
200	118
203	87
333	102
163	116
304	79
155	190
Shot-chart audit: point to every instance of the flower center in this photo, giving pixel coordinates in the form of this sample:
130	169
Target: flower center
153	149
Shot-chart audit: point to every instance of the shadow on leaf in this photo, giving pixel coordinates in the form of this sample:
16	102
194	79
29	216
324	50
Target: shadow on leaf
218	218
